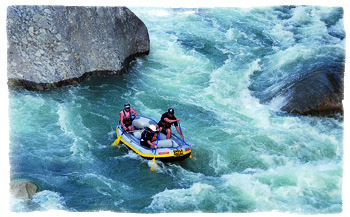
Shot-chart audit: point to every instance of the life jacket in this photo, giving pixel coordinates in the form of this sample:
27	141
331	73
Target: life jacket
127	121
146	134
146	131
163	123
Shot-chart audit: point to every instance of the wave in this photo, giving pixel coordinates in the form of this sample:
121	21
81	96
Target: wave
287	188
42	201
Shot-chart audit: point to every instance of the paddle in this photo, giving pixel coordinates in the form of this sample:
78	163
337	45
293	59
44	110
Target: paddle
155	150
182	134
154	166
183	138
116	142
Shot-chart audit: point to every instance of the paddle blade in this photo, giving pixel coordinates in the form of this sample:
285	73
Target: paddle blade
116	142
153	165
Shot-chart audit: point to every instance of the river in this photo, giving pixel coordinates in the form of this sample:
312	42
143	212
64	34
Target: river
218	68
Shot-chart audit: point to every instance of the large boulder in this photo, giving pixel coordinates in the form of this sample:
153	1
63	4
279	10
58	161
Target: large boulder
320	94
57	45
23	189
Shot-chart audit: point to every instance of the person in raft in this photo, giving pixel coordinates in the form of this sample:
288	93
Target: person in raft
126	117
167	119
148	137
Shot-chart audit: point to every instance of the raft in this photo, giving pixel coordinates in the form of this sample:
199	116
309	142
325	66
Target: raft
173	149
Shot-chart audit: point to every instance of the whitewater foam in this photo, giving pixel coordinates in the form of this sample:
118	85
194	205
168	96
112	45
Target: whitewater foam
193	199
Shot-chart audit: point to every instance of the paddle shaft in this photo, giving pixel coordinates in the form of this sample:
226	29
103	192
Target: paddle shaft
155	150
184	139
181	133
119	137
116	142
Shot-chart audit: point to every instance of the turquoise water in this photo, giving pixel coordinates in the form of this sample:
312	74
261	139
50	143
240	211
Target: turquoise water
221	70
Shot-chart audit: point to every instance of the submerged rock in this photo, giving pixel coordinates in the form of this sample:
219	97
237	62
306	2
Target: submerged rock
23	189
51	46
319	94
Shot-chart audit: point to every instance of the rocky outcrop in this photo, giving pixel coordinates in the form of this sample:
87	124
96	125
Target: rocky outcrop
23	189
319	94
57	45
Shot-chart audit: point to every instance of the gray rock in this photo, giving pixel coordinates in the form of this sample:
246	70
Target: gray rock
320	94
74	41
23	189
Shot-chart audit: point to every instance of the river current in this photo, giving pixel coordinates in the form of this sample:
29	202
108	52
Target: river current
218	68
